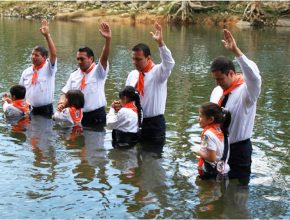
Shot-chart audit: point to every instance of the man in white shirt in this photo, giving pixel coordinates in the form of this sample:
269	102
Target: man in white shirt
151	82
90	78
39	79
238	93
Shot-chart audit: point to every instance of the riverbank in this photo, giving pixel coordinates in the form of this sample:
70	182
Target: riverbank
201	13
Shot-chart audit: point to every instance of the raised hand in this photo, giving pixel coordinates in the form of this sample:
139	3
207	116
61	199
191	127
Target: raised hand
230	43
116	105
157	35
105	30
5	98
44	29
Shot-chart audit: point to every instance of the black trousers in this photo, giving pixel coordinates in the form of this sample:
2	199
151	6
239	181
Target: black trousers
153	133
122	139
46	110
94	119
240	161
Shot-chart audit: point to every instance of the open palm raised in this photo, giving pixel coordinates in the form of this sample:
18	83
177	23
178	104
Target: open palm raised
105	30
44	29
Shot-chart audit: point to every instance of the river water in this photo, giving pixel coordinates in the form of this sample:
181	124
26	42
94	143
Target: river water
46	172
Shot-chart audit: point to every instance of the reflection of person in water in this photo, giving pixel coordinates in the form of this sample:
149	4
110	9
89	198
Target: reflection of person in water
210	194
41	137
143	170
223	199
88	146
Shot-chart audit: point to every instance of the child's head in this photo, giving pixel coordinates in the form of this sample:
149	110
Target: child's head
128	94
17	92
75	98
211	113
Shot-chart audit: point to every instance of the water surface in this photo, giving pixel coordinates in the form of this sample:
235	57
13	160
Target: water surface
49	172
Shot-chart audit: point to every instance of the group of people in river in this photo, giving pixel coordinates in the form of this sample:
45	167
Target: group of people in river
138	117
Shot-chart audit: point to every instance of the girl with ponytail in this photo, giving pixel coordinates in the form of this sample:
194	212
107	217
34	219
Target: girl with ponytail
213	152
125	118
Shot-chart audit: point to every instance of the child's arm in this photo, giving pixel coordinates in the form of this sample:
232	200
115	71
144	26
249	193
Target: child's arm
208	155
111	119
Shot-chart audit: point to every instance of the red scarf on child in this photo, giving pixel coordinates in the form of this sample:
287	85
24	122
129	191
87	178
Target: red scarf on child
21	104
83	82
140	83
132	106
76	114
35	72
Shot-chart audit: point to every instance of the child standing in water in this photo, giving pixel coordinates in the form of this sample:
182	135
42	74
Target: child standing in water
16	106
125	121
214	150
72	114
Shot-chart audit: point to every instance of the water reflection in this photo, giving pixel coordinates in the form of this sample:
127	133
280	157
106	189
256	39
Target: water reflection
222	199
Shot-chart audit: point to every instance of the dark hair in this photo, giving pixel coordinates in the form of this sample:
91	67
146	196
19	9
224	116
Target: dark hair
142	47
43	51
75	98
88	50
222	64
132	94
18	91
220	115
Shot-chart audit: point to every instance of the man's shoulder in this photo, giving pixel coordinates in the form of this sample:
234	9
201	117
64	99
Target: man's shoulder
27	70
216	94
75	72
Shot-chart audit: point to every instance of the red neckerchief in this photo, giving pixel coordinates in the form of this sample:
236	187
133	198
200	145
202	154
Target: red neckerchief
239	81
214	128
35	72
21	104
140	83
83	82
76	114
132	106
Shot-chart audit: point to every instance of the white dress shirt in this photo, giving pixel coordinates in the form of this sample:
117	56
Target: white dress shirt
94	91
42	93
242	101
11	111
155	84
125	120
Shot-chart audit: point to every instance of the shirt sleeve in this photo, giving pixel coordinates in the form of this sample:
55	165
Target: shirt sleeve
52	67
5	106
115	119
167	63
132	78
252	78
210	143
21	81
62	117
101	72
11	111
216	94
